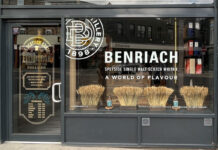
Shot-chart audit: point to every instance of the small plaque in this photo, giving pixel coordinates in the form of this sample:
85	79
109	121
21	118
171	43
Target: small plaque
208	122
146	122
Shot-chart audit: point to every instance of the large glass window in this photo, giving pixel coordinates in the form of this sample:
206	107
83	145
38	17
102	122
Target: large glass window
155	65
103	2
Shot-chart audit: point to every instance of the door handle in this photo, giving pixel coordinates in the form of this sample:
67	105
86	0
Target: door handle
59	92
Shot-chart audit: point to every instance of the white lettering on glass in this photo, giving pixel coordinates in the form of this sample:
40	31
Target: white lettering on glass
141	57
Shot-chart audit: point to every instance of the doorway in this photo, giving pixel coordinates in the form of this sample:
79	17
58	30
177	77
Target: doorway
34	66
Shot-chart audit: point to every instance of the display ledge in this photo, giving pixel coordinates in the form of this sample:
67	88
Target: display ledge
141	145
167	112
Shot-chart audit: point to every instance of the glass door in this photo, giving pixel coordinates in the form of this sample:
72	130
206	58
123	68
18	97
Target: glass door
35	105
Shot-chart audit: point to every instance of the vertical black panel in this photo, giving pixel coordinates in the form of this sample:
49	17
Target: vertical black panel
62	78
101	130
177	131
3	100
0	82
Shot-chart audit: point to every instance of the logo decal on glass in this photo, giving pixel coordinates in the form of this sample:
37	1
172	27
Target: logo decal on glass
36	76
83	37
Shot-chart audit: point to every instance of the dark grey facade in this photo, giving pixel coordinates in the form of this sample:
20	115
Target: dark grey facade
111	129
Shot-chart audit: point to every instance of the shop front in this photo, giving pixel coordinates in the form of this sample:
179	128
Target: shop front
142	74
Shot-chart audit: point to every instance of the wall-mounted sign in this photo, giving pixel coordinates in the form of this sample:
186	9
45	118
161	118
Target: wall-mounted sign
36	74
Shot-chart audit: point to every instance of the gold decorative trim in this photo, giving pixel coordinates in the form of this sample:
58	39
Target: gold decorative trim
38	73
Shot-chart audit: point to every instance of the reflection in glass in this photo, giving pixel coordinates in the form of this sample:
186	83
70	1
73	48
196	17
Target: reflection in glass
168	70
150	33
119	29
102	2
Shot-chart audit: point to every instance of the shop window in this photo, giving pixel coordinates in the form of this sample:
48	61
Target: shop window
170	34
143	31
176	77
149	30
119	29
132	30
109	2
140	31
212	32
159	33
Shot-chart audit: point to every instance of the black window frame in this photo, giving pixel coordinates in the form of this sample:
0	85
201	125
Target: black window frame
23	14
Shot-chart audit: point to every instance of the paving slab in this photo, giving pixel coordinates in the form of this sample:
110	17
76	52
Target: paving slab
58	146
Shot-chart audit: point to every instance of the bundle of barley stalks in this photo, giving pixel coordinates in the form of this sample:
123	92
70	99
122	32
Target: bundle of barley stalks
157	96
194	96
127	95
90	94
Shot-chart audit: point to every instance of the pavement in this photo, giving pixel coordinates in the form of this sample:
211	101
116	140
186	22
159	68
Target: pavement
58	146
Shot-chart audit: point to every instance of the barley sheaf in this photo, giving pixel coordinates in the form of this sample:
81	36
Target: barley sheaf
90	94
194	96
127	95
157	96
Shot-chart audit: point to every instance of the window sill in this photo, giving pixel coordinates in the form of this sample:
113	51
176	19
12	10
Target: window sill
142	112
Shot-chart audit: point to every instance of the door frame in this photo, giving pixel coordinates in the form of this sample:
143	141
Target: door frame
8	47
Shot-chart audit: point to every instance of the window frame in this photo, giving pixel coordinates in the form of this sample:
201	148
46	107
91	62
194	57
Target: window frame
29	13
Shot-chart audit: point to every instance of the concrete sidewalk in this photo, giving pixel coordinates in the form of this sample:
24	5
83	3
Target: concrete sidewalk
37	146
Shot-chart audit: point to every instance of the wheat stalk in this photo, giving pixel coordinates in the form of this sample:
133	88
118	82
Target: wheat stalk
90	94
157	96
194	96
127	95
